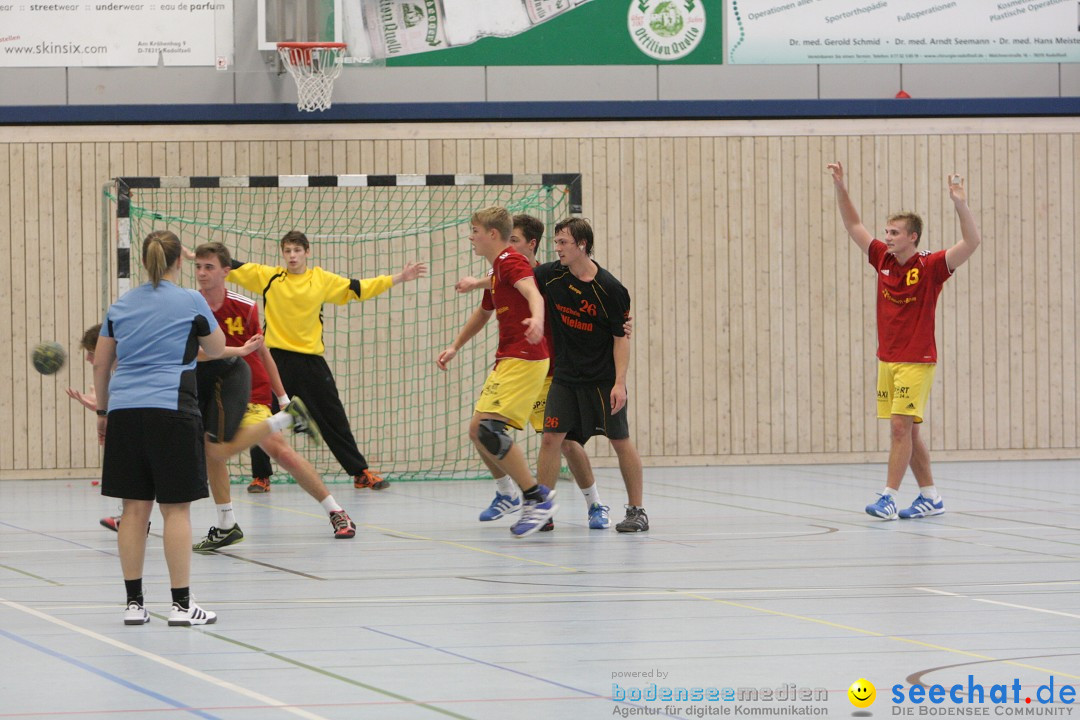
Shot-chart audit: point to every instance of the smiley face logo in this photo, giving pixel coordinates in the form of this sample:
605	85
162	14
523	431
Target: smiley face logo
862	693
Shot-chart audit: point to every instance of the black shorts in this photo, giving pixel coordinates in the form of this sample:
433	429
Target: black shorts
224	390
154	454
582	411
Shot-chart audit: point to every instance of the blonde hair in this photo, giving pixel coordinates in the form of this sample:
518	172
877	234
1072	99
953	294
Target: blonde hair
494	218
913	222
160	251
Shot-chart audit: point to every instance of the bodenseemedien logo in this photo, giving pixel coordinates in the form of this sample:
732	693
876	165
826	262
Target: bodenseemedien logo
666	29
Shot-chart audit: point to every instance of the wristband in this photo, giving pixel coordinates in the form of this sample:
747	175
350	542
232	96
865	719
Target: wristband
102	413
282	400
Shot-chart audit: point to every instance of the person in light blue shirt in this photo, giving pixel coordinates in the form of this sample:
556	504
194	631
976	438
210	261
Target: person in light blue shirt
149	421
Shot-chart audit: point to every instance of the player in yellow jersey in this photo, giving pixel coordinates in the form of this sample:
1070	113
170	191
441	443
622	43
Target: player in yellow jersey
293	296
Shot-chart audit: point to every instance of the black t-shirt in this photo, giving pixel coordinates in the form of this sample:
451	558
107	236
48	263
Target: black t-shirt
585	318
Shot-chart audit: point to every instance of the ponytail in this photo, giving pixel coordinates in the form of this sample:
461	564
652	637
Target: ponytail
161	250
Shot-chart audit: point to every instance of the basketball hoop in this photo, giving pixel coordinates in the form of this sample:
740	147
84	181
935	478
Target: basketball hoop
314	66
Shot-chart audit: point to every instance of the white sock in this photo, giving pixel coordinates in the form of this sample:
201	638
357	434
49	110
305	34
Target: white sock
930	493
280	420
592	495
330	504
506	486
889	491
225	517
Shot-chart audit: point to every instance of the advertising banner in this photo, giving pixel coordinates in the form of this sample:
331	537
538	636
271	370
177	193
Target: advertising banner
902	31
540	32
111	33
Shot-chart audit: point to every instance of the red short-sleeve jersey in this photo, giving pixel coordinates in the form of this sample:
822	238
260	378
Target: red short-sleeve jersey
511	308
488	304
239	320
906	301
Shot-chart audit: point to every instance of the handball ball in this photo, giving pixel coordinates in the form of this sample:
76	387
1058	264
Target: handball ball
49	357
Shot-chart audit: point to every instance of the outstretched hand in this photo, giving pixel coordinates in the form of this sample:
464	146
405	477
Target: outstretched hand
956	188
88	399
411	271
253	343
837	170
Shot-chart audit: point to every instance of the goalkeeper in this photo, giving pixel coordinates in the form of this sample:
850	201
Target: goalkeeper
293	297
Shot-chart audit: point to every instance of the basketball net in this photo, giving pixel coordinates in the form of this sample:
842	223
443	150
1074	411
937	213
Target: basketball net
314	66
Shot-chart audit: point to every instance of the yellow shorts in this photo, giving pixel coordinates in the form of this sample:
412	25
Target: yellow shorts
255	414
537	417
511	389
903	389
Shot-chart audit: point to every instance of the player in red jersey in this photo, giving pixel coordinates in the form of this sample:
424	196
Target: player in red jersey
521	365
525	237
909	281
239	318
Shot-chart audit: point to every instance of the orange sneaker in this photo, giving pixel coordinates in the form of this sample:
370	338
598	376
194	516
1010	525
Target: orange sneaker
370	479
259	485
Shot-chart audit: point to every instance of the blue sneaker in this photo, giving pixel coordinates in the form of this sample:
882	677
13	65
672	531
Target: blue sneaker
534	515
501	505
923	507
884	508
598	517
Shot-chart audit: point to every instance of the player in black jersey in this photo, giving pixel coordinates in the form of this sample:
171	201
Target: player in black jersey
588	306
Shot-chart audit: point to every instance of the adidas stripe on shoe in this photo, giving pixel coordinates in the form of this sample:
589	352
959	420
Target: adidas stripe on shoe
193	615
923	507
135	614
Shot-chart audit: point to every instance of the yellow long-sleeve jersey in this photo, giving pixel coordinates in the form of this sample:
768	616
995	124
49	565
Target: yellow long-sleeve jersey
292	303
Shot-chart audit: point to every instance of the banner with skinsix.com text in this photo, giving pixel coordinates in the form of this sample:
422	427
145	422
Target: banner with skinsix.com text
902	31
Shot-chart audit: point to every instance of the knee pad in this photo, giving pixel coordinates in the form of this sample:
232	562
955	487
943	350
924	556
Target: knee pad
493	437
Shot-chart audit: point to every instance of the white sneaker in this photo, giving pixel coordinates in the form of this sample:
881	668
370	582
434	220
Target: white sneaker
135	614
194	615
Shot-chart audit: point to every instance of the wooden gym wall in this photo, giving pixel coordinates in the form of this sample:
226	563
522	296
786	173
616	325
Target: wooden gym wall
754	313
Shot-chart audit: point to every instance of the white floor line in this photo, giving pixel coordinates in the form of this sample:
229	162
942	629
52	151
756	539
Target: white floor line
999	602
258	697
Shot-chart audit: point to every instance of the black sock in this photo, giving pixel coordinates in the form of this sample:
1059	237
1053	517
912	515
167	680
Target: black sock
533	493
182	597
134	590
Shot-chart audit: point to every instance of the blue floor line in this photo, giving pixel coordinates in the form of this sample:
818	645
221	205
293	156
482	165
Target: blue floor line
108	676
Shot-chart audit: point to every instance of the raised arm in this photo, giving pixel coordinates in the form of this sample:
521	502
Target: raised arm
848	213
958	254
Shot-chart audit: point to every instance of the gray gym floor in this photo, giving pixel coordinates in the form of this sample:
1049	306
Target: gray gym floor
770	578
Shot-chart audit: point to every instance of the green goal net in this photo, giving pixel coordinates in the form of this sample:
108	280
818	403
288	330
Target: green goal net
409	418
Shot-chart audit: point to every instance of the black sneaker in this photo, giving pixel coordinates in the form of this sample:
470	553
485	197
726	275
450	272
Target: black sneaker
302	420
635	521
216	539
